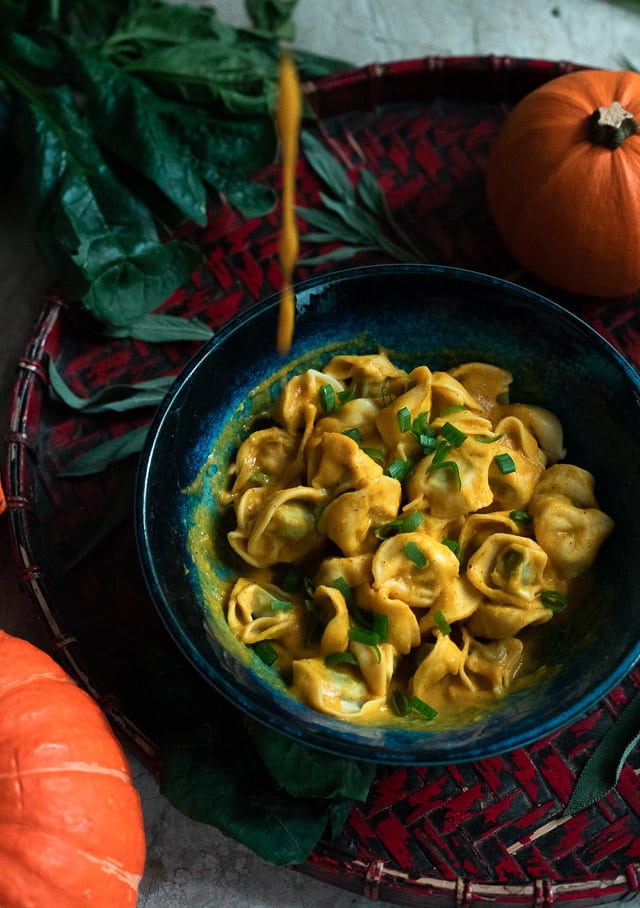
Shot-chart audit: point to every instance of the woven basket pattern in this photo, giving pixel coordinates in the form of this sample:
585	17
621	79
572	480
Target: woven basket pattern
489	831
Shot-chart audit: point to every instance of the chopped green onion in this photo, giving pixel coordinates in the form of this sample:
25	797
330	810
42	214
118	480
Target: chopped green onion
520	516
420	425
428	442
309	588
505	463
400	703
340	659
487	440
411	522
381	627
441	623
452	434
348	394
404	419
281	605
452	408
454	545
554	601
386	530
339	583
260	478
354	434
327	397
375	454
420	706
447	465
400	469
264	651
414	554
362	635
293	580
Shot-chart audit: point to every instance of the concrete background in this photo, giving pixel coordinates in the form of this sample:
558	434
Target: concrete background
190	864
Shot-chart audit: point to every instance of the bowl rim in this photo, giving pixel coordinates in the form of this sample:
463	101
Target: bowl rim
336	736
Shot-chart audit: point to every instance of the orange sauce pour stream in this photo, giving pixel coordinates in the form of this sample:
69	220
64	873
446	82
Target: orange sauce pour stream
288	117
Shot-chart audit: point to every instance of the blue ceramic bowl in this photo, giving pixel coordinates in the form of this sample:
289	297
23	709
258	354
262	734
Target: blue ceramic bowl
440	317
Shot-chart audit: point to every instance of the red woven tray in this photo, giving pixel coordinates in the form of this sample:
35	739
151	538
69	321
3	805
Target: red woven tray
491	831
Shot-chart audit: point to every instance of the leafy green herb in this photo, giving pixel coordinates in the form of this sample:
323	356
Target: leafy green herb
103	455
358	219
129	117
115	398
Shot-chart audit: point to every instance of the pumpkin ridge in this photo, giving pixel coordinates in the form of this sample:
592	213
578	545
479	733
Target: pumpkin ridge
71	766
16	684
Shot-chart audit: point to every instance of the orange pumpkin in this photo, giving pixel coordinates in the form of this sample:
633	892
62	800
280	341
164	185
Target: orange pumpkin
71	830
563	182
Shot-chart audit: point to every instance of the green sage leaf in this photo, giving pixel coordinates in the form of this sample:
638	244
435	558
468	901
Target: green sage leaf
104	455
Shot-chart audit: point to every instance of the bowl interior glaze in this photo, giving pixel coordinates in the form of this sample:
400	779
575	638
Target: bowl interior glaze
439	317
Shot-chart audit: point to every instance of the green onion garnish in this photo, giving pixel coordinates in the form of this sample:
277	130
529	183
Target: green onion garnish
362	635
420	425
411	522
339	583
281	605
399	469
452	434
420	706
446	465
293	580
488	440
353	434
381	627
505	463
404	419
264	651
400	703
454	545
554	601
340	659
375	454
260	478
414	554
327	397
401	525
428	442
520	516
348	394
441	623
452	408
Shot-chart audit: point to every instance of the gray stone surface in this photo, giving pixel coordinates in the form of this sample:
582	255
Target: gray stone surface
190	864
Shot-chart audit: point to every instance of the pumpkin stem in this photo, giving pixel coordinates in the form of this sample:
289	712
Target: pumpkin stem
610	126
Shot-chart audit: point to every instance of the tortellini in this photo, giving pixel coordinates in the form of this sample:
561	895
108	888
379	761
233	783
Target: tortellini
400	533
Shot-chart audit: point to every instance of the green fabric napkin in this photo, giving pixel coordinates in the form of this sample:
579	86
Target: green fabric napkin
602	770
